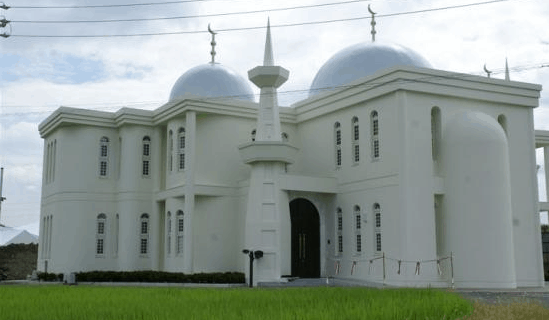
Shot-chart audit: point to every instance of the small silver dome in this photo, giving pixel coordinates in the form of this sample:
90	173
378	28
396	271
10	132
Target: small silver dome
212	80
361	60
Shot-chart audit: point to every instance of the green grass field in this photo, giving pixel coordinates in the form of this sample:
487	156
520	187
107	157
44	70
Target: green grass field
86	302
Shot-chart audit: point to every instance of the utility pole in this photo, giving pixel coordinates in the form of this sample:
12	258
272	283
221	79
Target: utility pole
1	183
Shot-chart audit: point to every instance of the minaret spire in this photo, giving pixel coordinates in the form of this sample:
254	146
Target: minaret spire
373	23
213	43
268	60
507	77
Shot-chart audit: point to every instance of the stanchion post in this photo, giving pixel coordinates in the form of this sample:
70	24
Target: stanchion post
452	268
384	268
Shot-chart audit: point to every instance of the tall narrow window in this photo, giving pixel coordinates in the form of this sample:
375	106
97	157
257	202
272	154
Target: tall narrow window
169	234
337	138
355	137
43	235
435	133
181	146
100	235
146	156
339	231
358	230
50	227
180	231
170	150
104	157
374	123
144	232
377	227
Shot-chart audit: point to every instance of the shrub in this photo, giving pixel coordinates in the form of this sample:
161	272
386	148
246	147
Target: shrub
159	276
50	277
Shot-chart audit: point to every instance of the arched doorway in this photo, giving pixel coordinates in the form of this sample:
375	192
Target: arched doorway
305	239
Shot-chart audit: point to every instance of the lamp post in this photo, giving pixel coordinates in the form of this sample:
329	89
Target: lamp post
252	255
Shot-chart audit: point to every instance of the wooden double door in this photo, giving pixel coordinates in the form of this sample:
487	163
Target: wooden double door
305	239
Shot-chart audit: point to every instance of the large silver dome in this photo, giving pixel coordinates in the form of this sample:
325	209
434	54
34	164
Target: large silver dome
361	60
212	80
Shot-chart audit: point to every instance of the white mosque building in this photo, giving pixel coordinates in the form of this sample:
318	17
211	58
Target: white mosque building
389	172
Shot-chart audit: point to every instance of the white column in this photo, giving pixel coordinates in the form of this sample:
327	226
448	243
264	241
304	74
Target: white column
546	168
190	157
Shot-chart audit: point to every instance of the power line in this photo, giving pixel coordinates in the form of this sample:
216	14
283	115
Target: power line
107	5
451	76
259	27
191	16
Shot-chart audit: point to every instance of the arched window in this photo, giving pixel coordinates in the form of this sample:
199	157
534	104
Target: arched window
358	230
254	132
435	133
146	156
181	148
170	150
144	235
169	234
339	231
104	157
374	124
502	120
180	231
377	227
337	139
100	235
355	138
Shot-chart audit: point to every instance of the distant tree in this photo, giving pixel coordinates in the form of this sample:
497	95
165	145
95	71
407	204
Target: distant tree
545	228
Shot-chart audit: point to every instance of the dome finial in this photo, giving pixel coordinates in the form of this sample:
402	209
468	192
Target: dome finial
212	43
373	23
488	72
268	58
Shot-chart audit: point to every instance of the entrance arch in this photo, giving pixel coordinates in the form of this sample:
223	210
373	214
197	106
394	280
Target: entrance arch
305	239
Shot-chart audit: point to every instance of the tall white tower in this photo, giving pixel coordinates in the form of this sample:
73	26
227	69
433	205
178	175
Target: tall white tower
267	204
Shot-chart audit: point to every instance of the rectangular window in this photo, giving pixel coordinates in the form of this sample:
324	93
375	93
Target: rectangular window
99	247
181	142
144	227
358	222
338	137
339	223
180	225
378	242
340	243
100	227
104	150
355	133
376	148
375	127
378	220
181	161
357	153
180	240
103	168
338	157
358	243
143	247
146	149
145	167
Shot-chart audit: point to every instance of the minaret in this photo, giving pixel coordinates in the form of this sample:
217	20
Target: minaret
268	77
267	210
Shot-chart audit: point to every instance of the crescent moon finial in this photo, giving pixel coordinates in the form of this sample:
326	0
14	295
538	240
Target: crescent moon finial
210	30
373	23
213	43
488	72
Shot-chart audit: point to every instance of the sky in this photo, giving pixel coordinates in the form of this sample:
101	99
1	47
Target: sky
41	71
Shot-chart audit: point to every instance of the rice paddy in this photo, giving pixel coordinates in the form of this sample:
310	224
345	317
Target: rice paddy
89	302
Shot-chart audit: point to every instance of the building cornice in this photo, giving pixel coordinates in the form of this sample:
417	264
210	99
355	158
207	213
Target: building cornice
421	80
